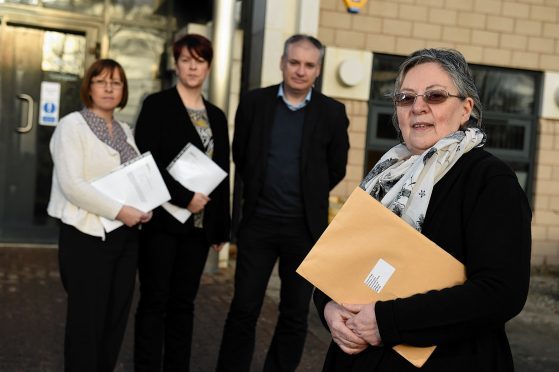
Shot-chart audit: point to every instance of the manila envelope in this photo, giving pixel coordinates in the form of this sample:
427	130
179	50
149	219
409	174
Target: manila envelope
369	254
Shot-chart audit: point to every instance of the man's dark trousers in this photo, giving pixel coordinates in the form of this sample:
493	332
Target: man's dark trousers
261	241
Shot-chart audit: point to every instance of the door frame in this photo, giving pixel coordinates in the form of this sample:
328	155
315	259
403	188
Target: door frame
50	20
55	20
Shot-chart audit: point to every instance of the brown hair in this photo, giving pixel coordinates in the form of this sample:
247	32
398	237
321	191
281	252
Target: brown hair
196	44
98	68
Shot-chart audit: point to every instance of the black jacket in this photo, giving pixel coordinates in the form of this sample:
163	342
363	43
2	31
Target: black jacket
324	150
164	128
480	215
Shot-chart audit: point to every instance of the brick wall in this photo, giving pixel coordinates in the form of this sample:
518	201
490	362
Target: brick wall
545	224
357	112
517	34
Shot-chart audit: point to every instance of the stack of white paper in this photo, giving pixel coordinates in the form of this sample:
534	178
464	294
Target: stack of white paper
137	183
195	171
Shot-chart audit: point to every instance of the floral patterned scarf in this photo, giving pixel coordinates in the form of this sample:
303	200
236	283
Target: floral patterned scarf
403	182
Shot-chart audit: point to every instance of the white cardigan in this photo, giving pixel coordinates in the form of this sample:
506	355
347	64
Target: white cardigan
80	157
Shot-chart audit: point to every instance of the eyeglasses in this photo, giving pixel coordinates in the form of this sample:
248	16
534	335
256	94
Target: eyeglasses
432	97
104	83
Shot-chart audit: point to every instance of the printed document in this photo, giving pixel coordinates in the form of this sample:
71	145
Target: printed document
136	183
195	171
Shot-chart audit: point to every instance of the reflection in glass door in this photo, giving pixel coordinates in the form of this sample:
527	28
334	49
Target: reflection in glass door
31	57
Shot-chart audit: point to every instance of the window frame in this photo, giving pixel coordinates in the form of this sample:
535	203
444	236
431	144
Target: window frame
522	160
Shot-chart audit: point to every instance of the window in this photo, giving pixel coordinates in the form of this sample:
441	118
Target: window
510	100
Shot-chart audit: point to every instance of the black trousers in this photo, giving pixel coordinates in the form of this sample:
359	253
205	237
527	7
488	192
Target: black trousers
260	243
170	267
99	278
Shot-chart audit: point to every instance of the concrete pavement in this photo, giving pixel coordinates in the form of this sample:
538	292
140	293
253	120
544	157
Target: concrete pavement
32	310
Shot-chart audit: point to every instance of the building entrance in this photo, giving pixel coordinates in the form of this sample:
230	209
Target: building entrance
40	75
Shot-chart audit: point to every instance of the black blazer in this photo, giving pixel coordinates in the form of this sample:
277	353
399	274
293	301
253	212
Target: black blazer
164	128
324	147
480	215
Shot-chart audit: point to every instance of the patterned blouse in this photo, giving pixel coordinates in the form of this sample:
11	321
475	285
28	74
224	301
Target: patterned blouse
202	125
117	141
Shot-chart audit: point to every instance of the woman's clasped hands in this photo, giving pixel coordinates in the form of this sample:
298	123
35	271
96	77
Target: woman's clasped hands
353	327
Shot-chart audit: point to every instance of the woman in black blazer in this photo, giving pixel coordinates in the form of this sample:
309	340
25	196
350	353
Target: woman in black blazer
442	182
172	254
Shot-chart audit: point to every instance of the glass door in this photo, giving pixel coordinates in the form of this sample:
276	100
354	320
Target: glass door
40	75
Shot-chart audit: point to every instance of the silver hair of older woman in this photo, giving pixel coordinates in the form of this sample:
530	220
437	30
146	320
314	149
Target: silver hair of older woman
454	63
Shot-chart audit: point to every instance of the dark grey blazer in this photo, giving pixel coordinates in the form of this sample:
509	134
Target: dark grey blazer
324	147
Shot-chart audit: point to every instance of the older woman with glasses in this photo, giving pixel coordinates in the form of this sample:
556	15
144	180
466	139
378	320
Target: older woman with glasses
97	269
442	182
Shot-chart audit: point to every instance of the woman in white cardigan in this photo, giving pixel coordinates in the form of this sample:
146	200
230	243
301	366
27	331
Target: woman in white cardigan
98	270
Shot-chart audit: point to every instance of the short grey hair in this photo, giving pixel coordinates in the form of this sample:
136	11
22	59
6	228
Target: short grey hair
454	63
297	38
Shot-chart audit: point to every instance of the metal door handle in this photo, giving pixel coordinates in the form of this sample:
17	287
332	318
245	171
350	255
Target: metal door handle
27	127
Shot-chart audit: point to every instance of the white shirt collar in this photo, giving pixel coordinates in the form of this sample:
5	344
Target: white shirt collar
292	107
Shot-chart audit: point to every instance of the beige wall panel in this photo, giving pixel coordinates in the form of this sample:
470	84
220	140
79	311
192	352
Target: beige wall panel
427	31
525	60
514	42
472	20
405	46
414	13
456	34
497	57
473	54
516	10
366	24
528	27
459	4
396	27
500	24
443	16
380	43
551	30
350	39
544	13
539	233
542	45
384	9
488	6
485	38
554	203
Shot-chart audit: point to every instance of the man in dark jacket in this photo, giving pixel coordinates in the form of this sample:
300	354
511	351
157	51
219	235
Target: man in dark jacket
290	149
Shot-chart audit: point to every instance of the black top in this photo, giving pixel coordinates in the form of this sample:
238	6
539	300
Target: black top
281	193
164	128
480	215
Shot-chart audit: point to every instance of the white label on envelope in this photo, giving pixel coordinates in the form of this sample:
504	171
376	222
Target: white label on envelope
379	276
